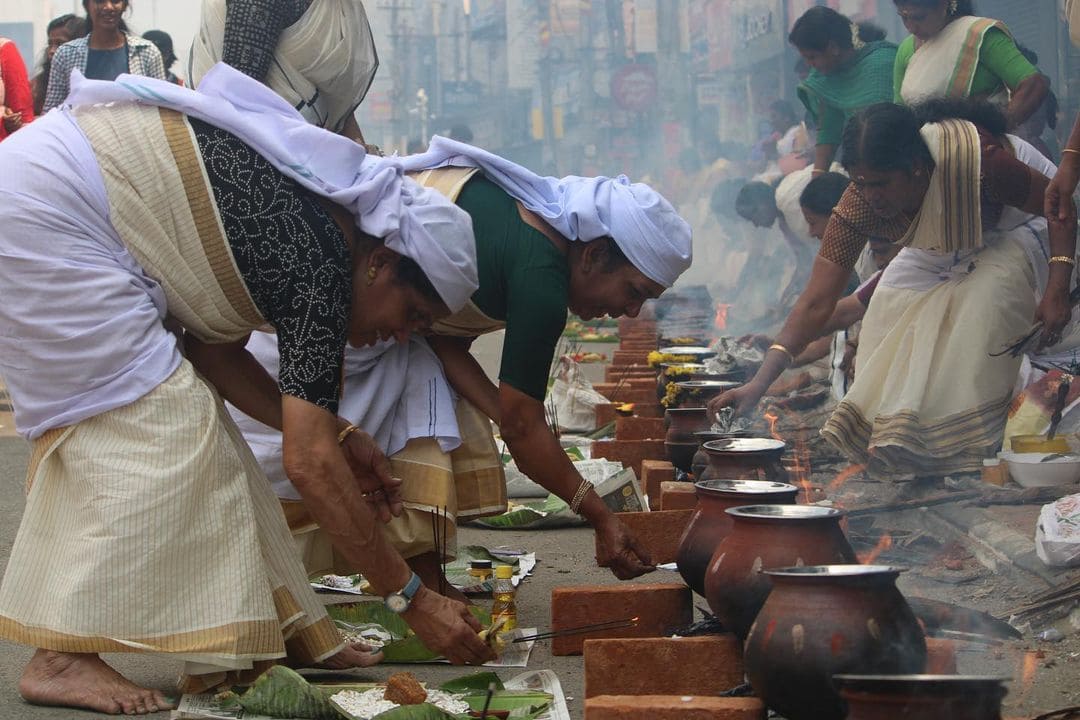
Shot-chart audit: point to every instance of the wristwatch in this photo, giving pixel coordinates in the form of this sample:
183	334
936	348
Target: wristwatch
399	602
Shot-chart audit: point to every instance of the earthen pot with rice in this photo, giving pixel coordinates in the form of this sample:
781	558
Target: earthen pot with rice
744	458
824	620
764	537
710	522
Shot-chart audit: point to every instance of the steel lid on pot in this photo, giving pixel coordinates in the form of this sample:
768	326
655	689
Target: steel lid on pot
745	445
784	512
826	572
707	384
695	350
744	487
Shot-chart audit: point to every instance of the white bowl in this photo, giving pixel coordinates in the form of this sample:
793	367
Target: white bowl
1028	470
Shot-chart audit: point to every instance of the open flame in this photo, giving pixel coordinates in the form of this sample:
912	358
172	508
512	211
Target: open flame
799	469
721	316
1027	674
844	476
884	543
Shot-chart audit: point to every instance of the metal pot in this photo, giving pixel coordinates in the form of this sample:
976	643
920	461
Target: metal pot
744	459
921	697
710	523
820	621
764	537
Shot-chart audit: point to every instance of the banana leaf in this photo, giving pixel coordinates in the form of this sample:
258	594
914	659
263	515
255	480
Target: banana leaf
282	693
524	704
406	646
475	683
551	511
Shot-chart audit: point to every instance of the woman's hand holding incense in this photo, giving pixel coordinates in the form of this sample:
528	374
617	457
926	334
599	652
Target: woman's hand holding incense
447	627
372	472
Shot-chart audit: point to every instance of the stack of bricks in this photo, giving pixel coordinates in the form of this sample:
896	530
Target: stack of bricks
629	379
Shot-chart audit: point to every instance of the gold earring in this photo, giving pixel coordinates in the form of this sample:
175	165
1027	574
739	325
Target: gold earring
371	272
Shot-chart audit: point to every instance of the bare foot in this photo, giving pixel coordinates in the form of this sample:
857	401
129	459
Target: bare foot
430	570
357	654
85	681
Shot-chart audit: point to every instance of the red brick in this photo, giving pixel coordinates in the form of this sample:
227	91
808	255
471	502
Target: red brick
630	357
615	373
675	495
654	472
630	453
706	665
658	531
940	657
672	707
636	428
623	393
605	413
660	608
649	410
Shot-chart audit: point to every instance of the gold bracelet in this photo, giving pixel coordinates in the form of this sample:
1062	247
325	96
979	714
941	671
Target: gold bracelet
349	430
1063	259
1071	150
579	496
781	348
817	171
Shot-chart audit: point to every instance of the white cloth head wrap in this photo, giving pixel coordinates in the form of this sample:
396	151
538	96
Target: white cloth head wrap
413	221
643	224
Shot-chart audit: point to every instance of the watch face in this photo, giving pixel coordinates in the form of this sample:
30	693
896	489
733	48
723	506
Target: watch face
397	603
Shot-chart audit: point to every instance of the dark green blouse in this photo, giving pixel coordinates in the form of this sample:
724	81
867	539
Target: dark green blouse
524	281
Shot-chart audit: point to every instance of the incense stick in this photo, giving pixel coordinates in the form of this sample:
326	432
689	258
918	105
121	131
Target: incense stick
609	625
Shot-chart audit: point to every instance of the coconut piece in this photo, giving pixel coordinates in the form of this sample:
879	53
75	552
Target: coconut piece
404	689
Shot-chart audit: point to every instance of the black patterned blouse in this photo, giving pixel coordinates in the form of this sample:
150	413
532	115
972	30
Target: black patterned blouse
252	29
292	257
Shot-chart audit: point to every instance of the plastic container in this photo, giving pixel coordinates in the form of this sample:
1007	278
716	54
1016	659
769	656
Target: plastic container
504	606
1038	444
1029	470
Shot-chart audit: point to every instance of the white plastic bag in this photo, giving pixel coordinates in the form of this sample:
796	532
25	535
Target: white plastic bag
1057	533
572	402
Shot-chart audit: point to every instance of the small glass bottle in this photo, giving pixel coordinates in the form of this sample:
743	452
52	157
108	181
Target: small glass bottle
480	571
504	606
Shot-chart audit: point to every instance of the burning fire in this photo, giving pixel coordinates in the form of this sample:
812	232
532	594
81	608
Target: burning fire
1027	675
884	543
721	315
844	476
800	467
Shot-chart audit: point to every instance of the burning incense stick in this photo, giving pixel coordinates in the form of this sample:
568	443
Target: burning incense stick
609	625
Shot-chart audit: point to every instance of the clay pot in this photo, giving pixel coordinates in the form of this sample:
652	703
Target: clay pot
682	423
744	459
710	523
681	454
665	376
921	697
701	458
764	537
820	621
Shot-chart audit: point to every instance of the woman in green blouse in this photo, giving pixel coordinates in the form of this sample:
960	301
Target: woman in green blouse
953	53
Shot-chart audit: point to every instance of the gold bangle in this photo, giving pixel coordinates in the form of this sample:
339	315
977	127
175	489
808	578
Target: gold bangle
579	496
1071	150
349	430
1063	259
781	348
817	171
